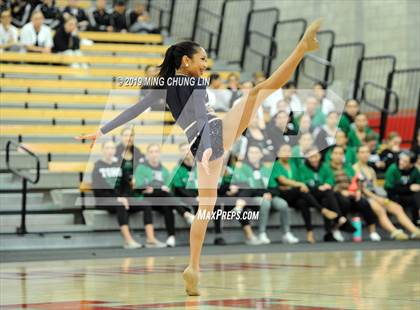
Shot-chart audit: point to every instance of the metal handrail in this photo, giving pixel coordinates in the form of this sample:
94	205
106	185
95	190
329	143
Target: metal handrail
375	106
25	179
320	61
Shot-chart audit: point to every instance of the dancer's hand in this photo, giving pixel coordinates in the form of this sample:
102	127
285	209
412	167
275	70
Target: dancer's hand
124	201
92	137
205	160
309	38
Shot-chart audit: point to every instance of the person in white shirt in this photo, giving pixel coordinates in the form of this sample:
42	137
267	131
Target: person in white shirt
219	96
8	33
36	37
327	105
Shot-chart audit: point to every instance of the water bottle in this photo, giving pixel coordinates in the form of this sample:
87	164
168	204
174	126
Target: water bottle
357	223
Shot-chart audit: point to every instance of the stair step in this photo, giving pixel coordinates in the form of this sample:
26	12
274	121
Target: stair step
44	220
53	228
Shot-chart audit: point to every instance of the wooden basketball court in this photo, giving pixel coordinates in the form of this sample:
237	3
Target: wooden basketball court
377	279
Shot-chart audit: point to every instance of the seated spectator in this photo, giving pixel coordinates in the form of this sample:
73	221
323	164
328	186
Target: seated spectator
350	157
229	190
325	135
244	90
140	21
321	94
292	99
313	109
36	37
357	134
281	131
374	159
8	33
351	109
219	96
402	183
233	86
73	9
257	136
284	182
119	17
392	150
376	197
106	179
152	179
252	177
305	143
52	15
258	77
184	184
99	18
21	12
317	179
350	199
303	124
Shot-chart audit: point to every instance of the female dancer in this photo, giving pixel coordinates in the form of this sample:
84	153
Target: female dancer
208	135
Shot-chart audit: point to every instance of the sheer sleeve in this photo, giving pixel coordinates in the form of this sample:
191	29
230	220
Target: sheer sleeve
151	99
199	97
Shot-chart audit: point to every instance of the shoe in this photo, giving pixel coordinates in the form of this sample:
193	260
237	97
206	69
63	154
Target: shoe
289	238
338	235
189	217
263	238
399	235
416	235
170	242
253	241
132	245
219	241
347	227
191	280
155	245
374	236
328	237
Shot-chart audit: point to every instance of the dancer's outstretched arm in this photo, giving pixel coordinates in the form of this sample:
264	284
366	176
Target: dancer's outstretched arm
153	97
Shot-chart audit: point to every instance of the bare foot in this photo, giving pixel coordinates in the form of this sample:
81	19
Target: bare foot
329	214
309	37
310	237
191	279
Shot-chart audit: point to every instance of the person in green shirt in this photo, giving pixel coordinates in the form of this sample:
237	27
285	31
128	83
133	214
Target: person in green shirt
252	177
351	109
184	186
152	179
402	183
305	143
341	140
357	134
314	110
284	182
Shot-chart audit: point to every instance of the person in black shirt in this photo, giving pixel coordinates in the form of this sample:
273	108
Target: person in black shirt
281	131
65	39
99	18
21	12
51	13
140	21
73	9
119	18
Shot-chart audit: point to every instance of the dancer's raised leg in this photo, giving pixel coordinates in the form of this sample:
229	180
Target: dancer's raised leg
237	119
207	192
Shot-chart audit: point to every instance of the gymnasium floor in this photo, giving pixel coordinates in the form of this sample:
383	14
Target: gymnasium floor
383	275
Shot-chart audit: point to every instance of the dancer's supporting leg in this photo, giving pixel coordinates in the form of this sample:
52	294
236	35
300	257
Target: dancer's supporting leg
237	119
207	192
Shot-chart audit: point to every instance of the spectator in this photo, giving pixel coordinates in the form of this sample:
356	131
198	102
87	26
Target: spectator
4	5
284	182
257	136
402	183
281	131
219	96
292	99
325	135
106	178
244	89
252	176
303	124
259	77
153	180
73	9
36	37
357	134
374	159
316	177
140	21
349	199
392	150
306	142
351	109
313	109
184	185
119	17
416	145
52	15
321	94
350	157
380	204
8	33
233	86
99	18
21	12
